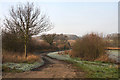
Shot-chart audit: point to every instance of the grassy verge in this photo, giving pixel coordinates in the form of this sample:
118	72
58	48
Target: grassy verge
19	67
95	69
16	62
19	57
7	69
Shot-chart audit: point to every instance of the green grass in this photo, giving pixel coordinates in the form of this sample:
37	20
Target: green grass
97	71
16	67
94	69
7	69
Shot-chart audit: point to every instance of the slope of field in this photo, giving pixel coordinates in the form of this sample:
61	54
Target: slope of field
95	69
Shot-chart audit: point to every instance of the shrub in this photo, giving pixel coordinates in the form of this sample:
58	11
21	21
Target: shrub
11	42
89	47
14	43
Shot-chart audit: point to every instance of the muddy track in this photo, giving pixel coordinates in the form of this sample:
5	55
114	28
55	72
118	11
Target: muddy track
51	69
47	61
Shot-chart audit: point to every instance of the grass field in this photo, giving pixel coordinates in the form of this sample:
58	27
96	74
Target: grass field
95	69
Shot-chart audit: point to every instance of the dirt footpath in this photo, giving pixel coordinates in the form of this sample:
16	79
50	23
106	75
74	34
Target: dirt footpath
52	69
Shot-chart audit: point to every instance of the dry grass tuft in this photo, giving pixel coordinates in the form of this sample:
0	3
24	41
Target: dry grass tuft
105	58
19	57
67	52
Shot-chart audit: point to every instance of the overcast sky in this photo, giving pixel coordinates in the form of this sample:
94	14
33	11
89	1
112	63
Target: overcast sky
75	17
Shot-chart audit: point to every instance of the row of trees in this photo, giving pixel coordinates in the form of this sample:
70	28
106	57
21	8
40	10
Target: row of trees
57	40
50	38
113	40
23	22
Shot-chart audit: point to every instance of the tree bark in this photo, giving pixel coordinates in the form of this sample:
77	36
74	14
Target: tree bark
25	51
25	46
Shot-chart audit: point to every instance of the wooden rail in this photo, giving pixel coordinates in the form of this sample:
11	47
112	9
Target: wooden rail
112	48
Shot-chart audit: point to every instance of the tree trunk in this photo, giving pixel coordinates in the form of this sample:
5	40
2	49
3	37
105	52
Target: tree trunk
25	45
25	51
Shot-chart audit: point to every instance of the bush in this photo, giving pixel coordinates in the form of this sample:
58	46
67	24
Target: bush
14	43
11	42
89	47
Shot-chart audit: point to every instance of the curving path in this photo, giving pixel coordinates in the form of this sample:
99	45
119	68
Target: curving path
52	69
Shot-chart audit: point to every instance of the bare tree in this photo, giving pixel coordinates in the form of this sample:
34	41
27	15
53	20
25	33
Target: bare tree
49	38
26	21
